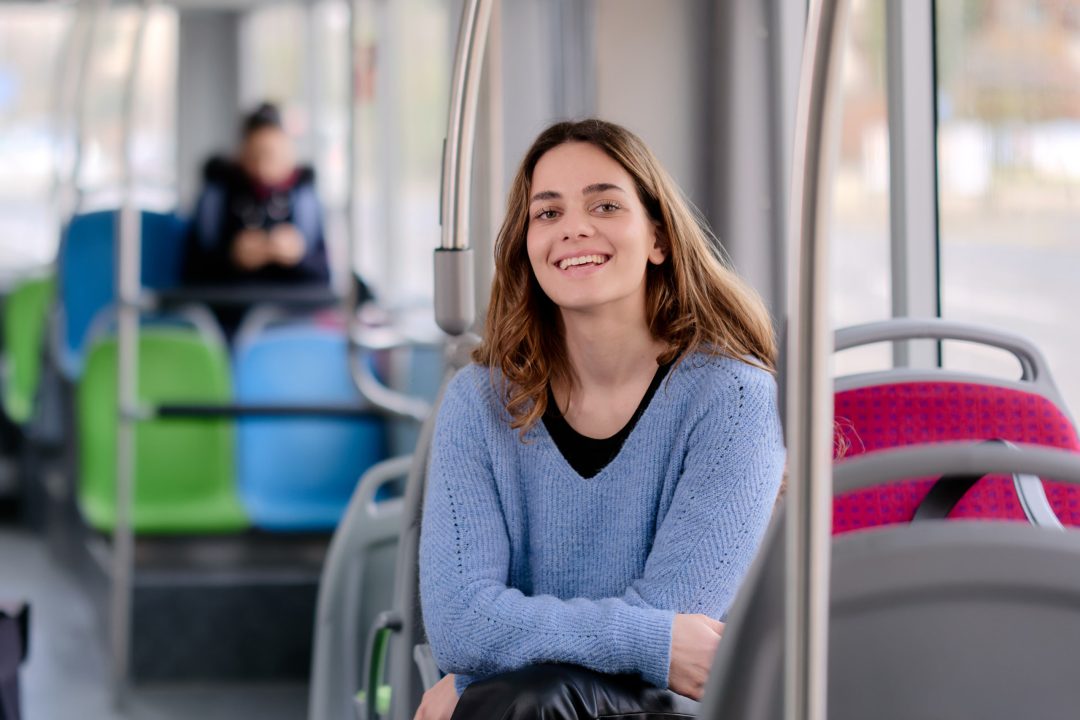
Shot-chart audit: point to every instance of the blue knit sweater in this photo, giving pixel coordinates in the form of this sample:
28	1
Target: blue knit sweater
522	561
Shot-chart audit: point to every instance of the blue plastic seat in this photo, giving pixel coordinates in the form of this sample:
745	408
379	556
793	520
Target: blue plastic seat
87	273
298	473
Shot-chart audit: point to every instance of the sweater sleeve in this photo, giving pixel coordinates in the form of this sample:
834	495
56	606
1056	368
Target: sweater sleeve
477	624
722	504
703	547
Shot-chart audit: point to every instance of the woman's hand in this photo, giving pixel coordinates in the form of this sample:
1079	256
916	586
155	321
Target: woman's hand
694	640
250	250
286	245
439	702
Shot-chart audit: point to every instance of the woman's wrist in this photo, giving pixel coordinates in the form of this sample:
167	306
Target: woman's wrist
642	641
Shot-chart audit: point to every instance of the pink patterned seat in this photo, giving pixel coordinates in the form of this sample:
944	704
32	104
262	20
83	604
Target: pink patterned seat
911	413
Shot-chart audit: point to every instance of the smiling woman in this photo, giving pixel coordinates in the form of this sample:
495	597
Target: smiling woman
602	475
586	227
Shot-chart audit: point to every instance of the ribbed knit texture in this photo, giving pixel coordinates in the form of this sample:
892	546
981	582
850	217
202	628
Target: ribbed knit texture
523	561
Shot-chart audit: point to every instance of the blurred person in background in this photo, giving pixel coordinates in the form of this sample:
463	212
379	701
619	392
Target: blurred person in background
258	220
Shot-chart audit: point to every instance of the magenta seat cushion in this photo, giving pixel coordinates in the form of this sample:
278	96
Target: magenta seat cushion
898	414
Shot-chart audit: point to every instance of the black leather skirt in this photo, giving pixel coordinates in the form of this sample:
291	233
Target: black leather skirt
568	692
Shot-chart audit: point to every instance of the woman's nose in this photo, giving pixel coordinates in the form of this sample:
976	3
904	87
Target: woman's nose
577	225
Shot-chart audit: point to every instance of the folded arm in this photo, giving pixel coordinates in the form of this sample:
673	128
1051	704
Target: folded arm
479	626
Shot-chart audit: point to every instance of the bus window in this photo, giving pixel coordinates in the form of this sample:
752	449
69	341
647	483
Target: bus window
401	120
31	38
154	135
1009	175
860	204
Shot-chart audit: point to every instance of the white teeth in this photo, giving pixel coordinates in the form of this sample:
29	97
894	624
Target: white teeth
582	260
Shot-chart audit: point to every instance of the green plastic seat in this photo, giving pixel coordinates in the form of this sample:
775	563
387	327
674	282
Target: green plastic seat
184	468
25	322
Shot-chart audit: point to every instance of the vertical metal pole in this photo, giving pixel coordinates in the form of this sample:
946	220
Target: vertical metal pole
63	110
461	127
788	23
128	264
909	44
454	300
559	43
809	396
70	194
312	86
352	209
496	156
387	149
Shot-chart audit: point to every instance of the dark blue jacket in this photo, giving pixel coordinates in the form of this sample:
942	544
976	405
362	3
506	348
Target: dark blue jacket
230	202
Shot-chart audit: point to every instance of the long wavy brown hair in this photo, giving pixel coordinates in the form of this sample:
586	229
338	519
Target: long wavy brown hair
693	300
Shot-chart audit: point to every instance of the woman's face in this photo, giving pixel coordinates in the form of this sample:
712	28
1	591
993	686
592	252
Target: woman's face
589	237
267	156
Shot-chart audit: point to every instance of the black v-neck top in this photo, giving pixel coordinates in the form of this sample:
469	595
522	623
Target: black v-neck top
588	456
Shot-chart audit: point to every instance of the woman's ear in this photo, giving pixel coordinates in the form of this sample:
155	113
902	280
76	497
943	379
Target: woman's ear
659	251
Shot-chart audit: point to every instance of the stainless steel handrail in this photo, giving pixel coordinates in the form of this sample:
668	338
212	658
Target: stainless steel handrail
76	41
461	131
352	207
71	200
1033	365
396	403
808	389
454	300
955	459
129	261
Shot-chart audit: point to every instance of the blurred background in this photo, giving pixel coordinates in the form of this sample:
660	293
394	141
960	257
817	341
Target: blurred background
977	113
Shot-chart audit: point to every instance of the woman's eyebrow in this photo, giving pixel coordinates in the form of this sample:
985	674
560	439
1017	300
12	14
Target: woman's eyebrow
546	195
587	190
599	188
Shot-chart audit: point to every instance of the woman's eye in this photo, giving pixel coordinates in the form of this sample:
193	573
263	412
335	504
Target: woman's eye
608	207
547	215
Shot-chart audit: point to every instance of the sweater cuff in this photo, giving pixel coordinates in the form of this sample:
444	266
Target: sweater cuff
463	681
643	641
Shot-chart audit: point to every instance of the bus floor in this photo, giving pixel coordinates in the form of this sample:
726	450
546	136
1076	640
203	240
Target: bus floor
66	674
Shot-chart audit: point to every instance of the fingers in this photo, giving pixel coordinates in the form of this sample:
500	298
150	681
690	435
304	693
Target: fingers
715	625
287	244
283	245
439	702
249	251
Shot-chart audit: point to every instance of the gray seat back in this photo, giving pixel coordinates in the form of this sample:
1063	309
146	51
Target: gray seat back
404	676
356	583
935	620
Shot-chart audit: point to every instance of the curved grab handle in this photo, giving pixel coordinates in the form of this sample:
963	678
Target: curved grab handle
366	340
948	490
379	395
1032	362
197	316
965	458
387	623
454	303
461	126
388	337
1032	496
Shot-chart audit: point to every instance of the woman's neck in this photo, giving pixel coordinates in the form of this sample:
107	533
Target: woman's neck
607	355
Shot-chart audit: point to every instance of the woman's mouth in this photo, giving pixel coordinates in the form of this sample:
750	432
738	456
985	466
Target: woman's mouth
582	261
